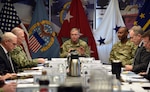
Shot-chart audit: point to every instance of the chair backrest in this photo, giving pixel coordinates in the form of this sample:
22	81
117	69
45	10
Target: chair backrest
67	38
64	39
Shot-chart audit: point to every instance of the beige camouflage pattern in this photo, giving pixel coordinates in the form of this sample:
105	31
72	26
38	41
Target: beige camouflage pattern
123	52
19	57
67	45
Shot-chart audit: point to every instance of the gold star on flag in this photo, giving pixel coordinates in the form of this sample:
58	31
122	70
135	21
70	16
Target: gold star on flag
142	15
68	16
135	23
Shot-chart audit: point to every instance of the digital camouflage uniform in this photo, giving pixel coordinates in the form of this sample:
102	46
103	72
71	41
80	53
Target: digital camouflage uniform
67	45
123	52
1	90
19	57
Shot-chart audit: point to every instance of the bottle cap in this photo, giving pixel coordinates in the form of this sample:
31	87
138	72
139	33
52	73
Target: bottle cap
44	72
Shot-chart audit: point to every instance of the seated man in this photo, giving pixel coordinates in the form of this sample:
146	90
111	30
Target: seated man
124	49
7	44
75	44
19	56
142	56
146	40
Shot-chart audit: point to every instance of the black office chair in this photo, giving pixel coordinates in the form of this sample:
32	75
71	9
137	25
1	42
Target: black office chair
67	38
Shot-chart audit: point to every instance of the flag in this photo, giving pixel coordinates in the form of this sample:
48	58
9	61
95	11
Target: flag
10	19
76	17
42	39
143	18
105	35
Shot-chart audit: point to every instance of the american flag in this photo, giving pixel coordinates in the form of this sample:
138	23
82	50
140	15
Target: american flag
8	17
35	42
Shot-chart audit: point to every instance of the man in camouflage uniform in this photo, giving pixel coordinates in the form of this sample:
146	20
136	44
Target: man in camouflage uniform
124	49
75	44
19	56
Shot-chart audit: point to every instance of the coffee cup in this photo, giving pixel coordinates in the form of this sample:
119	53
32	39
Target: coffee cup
116	68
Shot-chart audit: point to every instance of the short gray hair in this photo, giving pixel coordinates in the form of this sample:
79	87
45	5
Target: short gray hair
17	30
75	29
8	36
137	30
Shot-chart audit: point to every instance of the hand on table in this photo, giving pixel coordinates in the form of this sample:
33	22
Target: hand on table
10	87
9	76
128	67
81	50
41	60
142	73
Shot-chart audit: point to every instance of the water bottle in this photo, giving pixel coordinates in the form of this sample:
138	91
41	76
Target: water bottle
44	82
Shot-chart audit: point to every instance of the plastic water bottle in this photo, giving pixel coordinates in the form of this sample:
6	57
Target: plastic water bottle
44	82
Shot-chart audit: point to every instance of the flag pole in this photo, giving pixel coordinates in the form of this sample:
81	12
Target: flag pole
25	46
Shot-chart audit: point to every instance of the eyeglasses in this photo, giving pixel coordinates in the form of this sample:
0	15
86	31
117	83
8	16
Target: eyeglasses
13	43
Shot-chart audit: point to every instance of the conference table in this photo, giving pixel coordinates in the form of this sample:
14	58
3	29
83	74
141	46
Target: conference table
56	69
132	82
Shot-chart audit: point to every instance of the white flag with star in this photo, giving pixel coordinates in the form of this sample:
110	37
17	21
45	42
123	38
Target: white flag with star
105	35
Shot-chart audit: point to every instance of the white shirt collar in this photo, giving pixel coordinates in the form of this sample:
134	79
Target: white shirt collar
148	68
141	44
